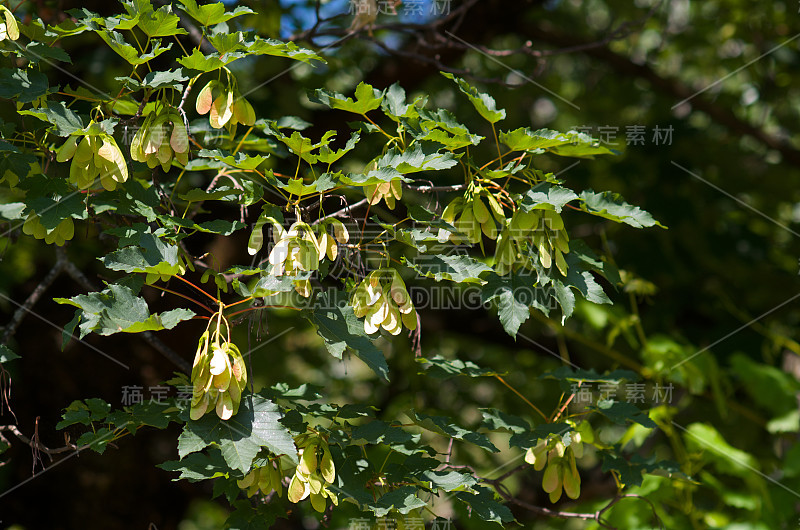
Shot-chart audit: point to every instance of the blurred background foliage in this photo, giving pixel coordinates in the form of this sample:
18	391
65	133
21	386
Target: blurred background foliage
716	292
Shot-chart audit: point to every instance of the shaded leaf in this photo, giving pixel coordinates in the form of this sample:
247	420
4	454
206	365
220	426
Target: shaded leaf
22	85
527	439
239	160
483	103
6	354
442	368
447	480
497	420
198	466
417	158
341	329
38	51
547	196
403	499
161	22
128	52
240	438
571	143
151	255
630	471
460	269
622	412
484	505
515	295
366	99
262	517
65	120
206	63
446	426
612	206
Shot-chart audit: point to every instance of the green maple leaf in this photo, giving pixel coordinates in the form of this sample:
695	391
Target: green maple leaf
255	427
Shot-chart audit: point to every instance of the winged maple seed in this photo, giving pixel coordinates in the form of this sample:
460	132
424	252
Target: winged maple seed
9	28
558	460
265	479
224	105
161	138
219	376
314	474
533	233
299	249
388	191
383	301
59	235
94	155
474	217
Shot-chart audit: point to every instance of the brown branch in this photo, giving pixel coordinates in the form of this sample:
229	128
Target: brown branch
34	443
182	112
76	274
674	87
501	478
37	293
455	16
433	189
503	491
426	43
344	211
594	516
168	353
618	498
428	37
624	30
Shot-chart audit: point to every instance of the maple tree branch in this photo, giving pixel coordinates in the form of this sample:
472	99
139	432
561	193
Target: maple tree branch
34	297
34	443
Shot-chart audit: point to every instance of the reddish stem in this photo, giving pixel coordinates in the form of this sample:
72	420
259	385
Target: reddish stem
263	307
239	302
181	278
185	297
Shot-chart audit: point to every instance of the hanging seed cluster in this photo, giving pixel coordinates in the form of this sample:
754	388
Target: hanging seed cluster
299	250
314	474
471	216
94	155
558	461
224	105
218	378
388	191
332	233
530	234
383	301
161	138
265	479
59	235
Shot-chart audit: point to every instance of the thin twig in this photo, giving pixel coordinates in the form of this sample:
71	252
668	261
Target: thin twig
37	293
166	351
35	444
344	211
433	189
